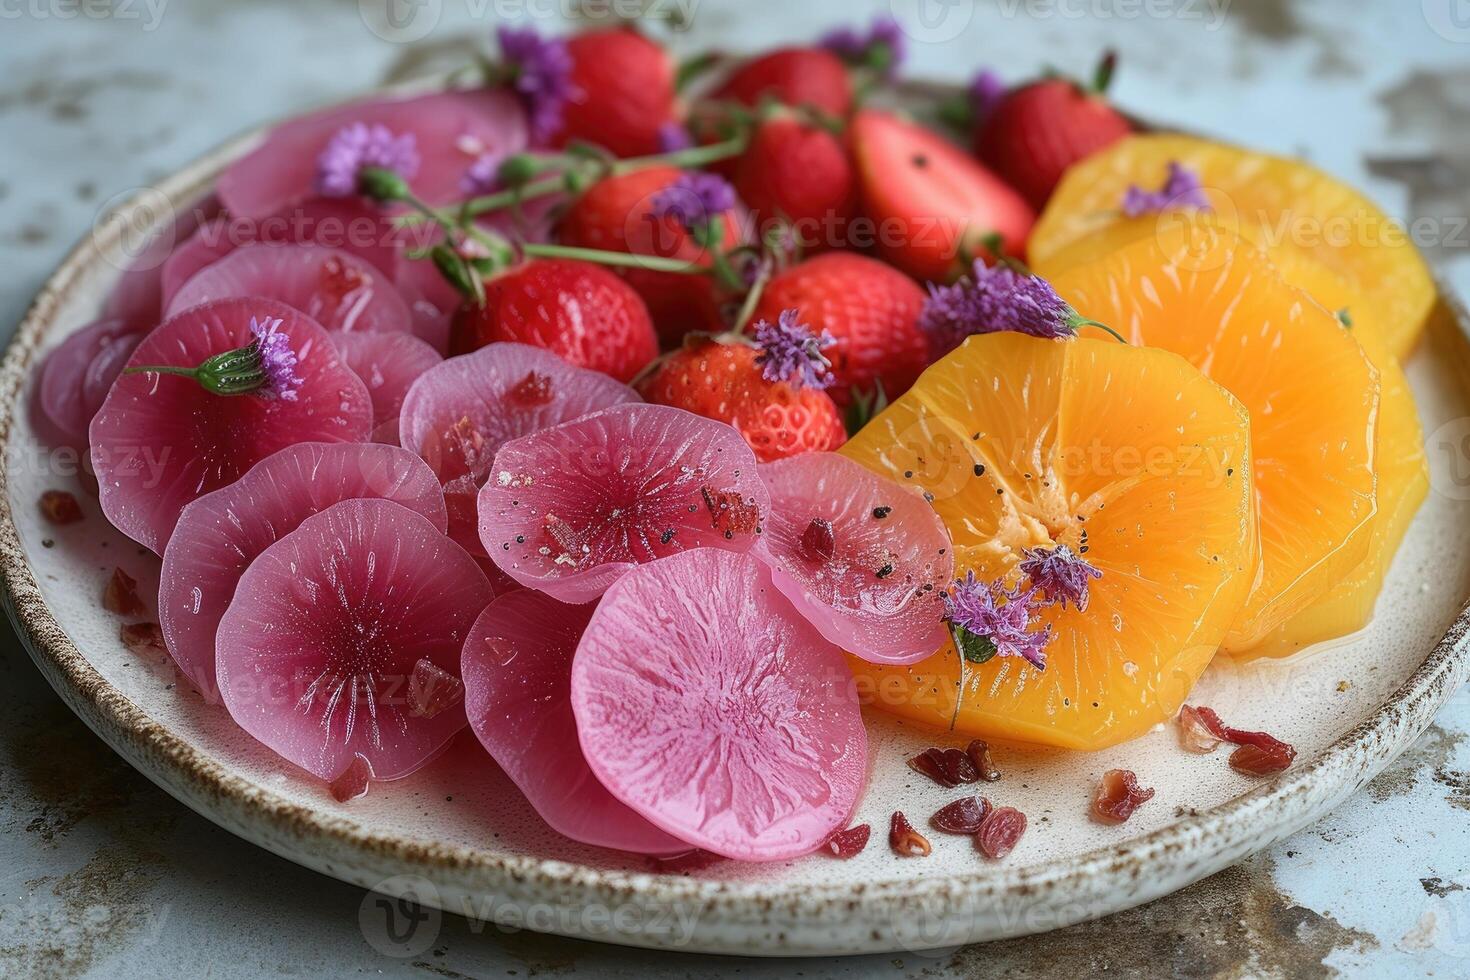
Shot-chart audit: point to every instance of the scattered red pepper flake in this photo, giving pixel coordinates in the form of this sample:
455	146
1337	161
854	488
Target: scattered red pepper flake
1196	733
818	542
1267	754
1118	795
947	767
1001	832
532	390
60	507
964	816
354	781
1262	758
121	595
730	512
143	639
904	839
848	843
979	754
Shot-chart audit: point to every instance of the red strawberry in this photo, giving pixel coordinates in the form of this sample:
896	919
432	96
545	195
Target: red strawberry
624	92
871	309
795	77
578	310
799	172
930	201
724	382
616	214
1040	130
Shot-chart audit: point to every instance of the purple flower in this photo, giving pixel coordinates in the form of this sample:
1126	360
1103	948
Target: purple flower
994	299
884	46
277	359
1059	573
359	146
483	176
673	137
540	71
977	608
1182	189
791	352
986	91
695	199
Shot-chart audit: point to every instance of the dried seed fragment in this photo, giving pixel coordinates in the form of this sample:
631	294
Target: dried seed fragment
1198	734
904	839
1118	795
979	754
1262	759
964	816
60	507
1001	832
848	843
121	595
143	639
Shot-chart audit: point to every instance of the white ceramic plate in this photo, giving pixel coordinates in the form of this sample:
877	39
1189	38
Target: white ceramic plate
457	835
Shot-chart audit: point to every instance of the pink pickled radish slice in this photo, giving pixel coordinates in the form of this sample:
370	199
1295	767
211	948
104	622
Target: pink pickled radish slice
459	413
350	225
59	410
571	509
160	441
451	131
705	703
336	289
138	295
388	363
878	592
104	370
321	649
221	533
517	670
430	298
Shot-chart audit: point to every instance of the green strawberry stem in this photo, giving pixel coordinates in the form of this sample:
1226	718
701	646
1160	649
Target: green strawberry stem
752	299
651	262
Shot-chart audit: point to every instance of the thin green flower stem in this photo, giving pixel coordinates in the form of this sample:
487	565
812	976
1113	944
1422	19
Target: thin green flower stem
162	369
1084	322
752	299
650	262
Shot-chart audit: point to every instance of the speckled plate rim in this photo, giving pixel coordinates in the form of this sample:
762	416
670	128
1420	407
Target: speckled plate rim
784	918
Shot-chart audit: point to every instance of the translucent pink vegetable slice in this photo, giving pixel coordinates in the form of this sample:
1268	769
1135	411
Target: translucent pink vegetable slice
161	441
138	295
336	289
451	130
864	559
104	370
705	703
59	410
348	224
571	509
388	363
517	671
459	413
340	650
221	533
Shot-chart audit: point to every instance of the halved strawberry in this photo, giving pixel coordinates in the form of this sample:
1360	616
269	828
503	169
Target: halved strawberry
617	214
1041	129
795	77
800	173
870	309
624	91
724	381
578	310
929	201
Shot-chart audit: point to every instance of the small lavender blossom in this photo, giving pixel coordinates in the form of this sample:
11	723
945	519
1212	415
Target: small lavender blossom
1060	574
277	359
359	146
695	199
986	91
483	176
976	607
1182	189
792	352
540	71
673	137
884	44
994	299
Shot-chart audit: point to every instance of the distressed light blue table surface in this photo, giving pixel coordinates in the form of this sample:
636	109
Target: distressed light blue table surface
103	874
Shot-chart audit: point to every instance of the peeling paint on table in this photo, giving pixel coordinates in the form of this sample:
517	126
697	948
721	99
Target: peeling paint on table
103	874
